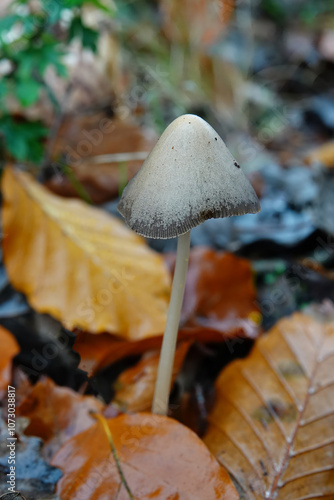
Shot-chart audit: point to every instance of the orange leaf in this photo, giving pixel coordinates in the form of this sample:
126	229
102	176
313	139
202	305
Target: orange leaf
135	386
9	349
272	424
220	294
56	413
219	303
80	264
159	457
324	154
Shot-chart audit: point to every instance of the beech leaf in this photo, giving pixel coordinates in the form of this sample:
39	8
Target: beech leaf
56	413
79	264
272	424
159	458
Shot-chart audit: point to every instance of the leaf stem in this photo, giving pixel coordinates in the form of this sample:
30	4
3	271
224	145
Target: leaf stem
107	431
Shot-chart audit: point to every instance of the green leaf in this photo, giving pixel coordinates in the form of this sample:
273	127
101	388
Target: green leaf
27	91
87	35
6	23
23	139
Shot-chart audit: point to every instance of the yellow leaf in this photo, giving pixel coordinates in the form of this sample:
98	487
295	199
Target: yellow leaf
79	264
272	424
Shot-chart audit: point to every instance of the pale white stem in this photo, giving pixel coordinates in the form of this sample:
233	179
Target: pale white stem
166	362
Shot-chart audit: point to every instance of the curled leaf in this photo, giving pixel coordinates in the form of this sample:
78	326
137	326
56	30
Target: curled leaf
135	386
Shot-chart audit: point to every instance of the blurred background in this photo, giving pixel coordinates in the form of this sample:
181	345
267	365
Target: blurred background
87	87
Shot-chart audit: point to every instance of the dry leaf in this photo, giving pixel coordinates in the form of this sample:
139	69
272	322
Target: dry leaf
135	386
56	413
93	136
9	349
272	424
79	264
159	457
323	154
197	22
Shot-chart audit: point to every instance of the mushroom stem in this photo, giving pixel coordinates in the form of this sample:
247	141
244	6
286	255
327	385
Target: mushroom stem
166	362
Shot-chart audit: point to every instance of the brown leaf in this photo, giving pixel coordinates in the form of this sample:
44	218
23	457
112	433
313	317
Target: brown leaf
80	264
219	304
9	349
220	293
135	386
272	424
56	413
92	136
159	457
196	22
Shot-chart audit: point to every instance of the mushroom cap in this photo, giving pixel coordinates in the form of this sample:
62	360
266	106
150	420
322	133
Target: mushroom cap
188	177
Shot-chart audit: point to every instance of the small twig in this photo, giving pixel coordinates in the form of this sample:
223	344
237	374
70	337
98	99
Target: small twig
106	429
117	157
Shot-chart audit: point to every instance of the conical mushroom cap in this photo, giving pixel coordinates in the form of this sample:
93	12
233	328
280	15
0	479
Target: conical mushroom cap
188	177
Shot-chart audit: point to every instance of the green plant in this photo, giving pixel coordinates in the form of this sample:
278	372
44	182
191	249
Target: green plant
30	43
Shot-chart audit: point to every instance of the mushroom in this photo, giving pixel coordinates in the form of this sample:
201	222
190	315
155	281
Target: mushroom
188	177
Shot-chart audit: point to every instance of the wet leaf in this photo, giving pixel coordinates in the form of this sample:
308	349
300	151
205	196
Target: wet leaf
219	304
220	293
9	349
272	424
79	264
135	386
159	458
56	413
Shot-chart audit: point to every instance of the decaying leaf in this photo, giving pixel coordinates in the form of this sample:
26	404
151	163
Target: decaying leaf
79	264
195	21
159	457
83	141
9	348
272	424
56	413
230	305
135	386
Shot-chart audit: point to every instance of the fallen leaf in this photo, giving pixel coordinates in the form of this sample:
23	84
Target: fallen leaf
220	293
198	22
84	141
9	349
135	386
56	413
272	424
219	304
159	457
34	478
323	154
99	351
79	264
